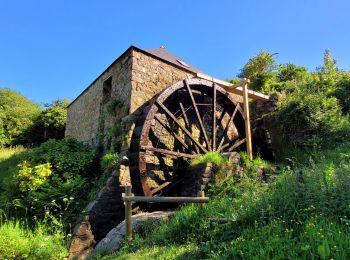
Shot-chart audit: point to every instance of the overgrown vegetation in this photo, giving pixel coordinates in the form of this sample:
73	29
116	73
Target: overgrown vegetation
50	182
313	112
18	241
288	218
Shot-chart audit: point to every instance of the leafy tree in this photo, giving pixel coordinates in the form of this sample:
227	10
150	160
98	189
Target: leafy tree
290	71
329	64
17	114
260	70
50	124
52	120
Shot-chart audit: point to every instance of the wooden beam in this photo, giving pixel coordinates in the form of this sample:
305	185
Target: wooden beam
166	199
197	114
168	152
214	119
248	136
235	88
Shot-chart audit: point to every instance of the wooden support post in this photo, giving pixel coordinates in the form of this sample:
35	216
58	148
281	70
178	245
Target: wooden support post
247	120
128	214
202	195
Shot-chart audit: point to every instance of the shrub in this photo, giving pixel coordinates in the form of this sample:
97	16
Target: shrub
109	162
312	120
52	181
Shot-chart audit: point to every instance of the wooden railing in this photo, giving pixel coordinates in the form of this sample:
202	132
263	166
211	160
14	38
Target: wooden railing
129	198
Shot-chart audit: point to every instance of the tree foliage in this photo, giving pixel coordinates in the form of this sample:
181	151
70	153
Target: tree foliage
314	109
50	124
260	70
17	114
23	122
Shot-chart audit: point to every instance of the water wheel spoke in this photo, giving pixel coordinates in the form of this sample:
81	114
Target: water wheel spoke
171	132
220	119
187	122
234	146
197	114
160	187
227	126
181	126
167	152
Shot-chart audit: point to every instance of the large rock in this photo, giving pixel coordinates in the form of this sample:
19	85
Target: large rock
115	237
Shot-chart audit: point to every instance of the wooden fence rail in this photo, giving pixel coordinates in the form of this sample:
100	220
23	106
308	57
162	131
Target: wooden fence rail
129	198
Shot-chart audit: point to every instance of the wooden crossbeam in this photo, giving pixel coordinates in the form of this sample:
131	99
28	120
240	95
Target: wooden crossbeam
235	88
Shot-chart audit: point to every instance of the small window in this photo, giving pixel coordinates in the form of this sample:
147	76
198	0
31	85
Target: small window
107	90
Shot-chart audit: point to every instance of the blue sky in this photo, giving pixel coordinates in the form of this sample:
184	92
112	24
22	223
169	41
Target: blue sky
55	49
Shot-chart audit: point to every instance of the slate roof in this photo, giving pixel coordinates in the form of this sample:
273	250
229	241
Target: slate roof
164	54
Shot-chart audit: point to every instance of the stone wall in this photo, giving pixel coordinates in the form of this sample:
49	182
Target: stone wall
151	76
87	118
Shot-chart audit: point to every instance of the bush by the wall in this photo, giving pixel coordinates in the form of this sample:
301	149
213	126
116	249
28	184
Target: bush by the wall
52	182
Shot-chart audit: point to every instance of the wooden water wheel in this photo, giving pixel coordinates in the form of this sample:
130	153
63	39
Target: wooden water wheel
192	117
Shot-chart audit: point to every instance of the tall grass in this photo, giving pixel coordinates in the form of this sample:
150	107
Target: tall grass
17	241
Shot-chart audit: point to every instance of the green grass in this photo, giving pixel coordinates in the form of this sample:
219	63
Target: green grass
285	219
17	241
210	157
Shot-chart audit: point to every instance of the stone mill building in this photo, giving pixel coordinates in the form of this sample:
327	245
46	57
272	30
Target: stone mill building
125	86
106	113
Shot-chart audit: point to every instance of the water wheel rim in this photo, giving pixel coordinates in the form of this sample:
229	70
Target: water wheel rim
158	105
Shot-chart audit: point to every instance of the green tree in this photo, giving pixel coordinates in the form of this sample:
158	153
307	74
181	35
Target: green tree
261	70
329	64
50	124
290	71
53	119
17	114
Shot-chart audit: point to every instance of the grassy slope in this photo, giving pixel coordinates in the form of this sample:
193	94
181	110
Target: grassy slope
17	241
284	219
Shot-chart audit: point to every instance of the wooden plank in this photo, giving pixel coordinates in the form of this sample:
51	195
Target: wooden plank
248	133
197	114
182	127
166	199
168	152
